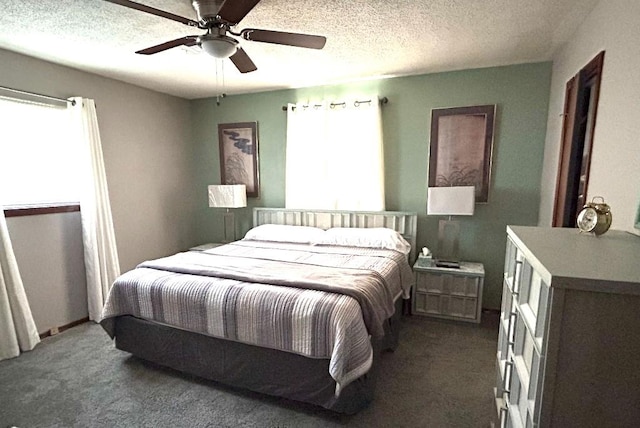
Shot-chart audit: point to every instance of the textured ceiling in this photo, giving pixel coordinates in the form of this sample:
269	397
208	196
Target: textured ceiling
365	39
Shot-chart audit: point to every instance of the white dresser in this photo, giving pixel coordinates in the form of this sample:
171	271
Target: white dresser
569	341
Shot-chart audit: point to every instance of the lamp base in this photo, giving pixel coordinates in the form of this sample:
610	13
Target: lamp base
448	240
229	227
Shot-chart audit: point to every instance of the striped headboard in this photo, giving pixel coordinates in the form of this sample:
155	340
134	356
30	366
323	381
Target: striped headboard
405	223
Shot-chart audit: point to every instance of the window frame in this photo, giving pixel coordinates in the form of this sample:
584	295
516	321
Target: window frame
40	209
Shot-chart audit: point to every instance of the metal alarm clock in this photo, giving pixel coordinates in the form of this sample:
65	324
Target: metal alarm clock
594	217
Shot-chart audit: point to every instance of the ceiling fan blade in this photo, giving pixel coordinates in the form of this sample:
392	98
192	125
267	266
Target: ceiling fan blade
154	11
282	38
234	10
186	41
242	61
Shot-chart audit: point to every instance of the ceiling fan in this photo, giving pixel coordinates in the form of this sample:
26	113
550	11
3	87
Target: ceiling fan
217	17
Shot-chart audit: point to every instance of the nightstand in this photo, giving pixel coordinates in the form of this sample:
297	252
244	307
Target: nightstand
207	246
451	293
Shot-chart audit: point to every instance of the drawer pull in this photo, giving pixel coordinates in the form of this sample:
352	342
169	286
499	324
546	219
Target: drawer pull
511	330
503	416
516	277
507	388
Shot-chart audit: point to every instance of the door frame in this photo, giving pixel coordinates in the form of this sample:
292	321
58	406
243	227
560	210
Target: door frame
582	93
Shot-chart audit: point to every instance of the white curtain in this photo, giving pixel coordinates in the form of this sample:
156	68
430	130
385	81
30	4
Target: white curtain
100	252
17	329
334	156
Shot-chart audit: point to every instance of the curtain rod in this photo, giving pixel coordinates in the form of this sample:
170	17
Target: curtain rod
33	94
383	100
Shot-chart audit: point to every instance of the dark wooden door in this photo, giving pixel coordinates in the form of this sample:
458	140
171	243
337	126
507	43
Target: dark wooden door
580	110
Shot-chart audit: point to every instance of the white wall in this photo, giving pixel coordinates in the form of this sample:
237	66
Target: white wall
149	160
148	152
49	253
612	26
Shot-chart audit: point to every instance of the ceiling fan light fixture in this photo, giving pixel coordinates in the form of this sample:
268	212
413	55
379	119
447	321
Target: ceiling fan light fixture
219	46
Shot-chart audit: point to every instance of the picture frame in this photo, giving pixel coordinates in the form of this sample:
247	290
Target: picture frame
460	148
239	155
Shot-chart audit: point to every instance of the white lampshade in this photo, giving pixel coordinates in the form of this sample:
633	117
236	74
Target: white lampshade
457	200
228	196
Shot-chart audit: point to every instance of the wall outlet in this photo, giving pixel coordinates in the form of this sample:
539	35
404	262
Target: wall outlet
53	331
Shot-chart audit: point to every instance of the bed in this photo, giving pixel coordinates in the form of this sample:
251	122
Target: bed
301	308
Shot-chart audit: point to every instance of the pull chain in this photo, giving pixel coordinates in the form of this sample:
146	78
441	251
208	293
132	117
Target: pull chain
221	93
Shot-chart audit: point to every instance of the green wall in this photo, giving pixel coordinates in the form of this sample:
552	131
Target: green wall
521	93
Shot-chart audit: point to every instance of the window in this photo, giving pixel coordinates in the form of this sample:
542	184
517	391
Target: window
38	155
334	156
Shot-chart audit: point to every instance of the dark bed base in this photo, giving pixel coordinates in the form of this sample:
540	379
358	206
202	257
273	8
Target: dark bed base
263	370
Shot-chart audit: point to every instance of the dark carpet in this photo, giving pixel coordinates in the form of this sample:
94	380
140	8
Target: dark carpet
441	375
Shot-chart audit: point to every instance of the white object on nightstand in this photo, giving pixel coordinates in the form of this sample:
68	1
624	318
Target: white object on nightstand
207	246
451	293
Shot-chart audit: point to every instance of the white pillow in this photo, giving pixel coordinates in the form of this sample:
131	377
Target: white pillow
375	237
285	233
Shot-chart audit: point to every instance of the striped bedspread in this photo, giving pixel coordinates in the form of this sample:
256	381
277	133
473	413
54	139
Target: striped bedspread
317	301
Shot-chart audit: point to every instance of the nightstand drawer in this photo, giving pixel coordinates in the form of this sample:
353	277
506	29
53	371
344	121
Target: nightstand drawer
448	293
447	284
445	305
464	286
463	307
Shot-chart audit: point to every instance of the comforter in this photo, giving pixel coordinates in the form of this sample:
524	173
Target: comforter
317	301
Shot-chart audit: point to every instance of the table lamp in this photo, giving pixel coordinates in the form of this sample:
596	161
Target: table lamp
450	201
228	196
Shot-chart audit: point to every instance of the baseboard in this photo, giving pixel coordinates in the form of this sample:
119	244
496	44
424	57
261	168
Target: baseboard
55	330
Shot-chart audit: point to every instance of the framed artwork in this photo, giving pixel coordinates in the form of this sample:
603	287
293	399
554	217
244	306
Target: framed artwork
239	155
460	149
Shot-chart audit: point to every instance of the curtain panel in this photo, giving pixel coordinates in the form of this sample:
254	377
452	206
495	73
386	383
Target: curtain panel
98	236
18	330
334	156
